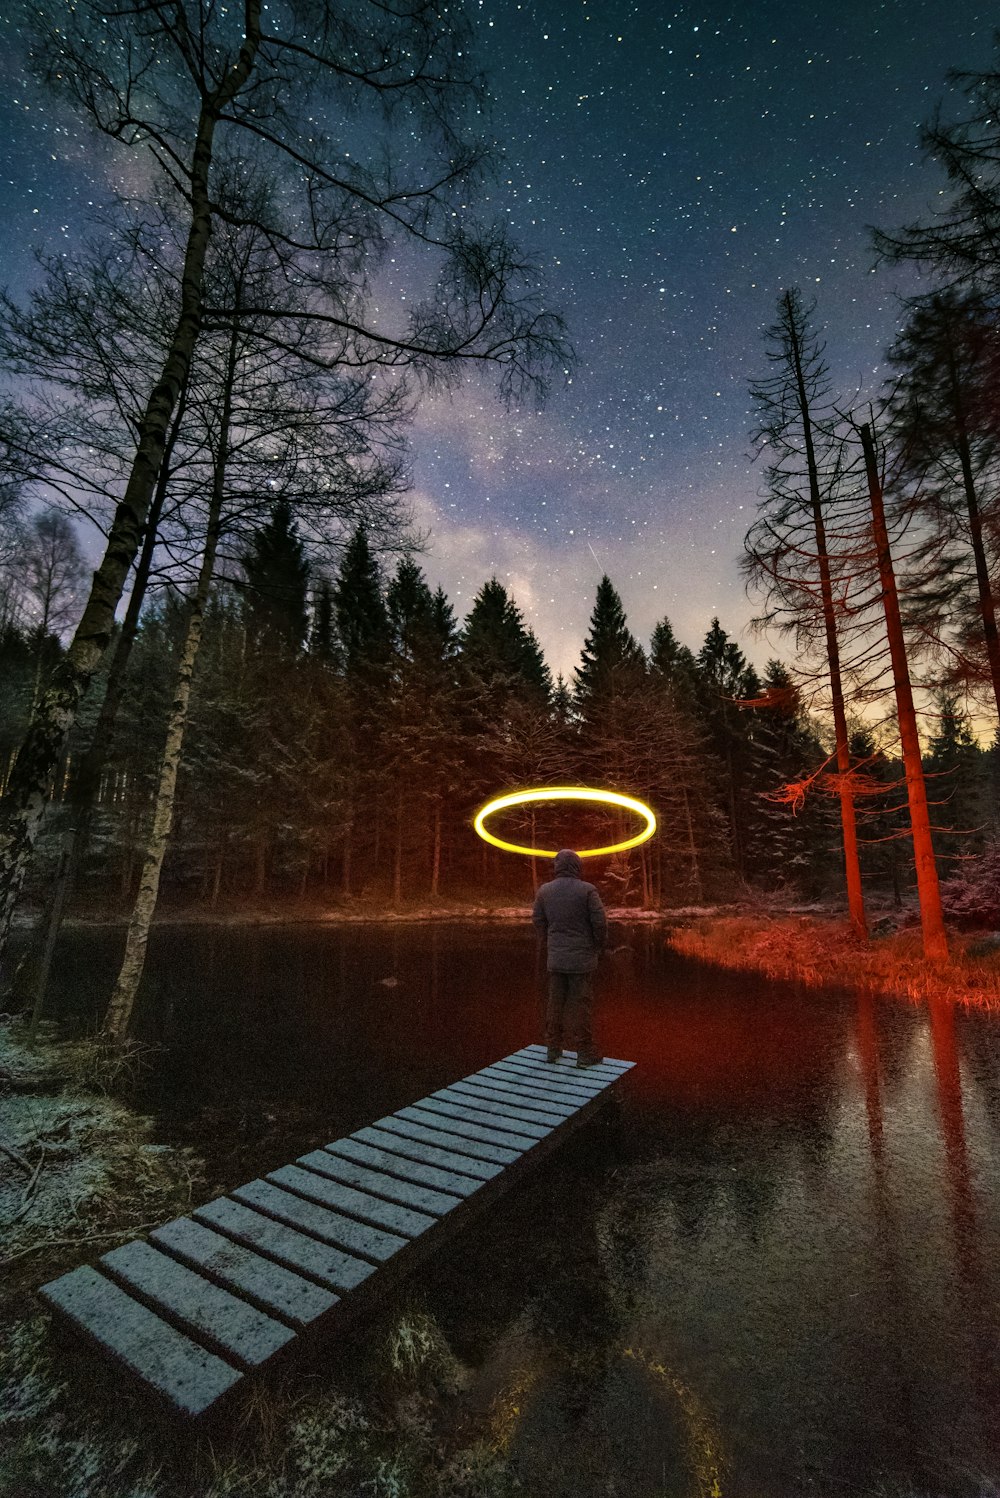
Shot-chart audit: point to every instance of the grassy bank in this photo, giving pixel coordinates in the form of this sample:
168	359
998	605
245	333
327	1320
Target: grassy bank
822	951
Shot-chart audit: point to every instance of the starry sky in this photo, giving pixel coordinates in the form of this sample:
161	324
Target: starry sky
672	169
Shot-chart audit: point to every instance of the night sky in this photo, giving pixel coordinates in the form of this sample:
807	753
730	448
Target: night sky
672	169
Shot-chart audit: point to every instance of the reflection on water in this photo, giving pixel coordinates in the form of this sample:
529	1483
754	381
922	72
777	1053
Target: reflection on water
772	1269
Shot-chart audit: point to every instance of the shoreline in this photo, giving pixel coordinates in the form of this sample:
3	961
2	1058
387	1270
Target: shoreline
369	915
808	944
822	952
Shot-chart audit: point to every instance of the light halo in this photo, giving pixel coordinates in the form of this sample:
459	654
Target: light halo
565	793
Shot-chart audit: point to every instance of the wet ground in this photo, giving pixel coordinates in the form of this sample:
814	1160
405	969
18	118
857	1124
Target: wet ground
771	1269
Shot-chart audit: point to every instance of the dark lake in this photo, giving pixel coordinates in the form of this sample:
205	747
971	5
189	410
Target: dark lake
773	1267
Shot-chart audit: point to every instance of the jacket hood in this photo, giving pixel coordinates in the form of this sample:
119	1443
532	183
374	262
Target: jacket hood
567	862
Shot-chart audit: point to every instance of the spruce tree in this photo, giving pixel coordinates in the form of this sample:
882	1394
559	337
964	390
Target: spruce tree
725	680
423	747
363	631
957	774
693	856
788	842
276	586
616	735
322	643
502	652
945	432
612	663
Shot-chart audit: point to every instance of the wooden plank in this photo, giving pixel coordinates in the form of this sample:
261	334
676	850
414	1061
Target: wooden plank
445	1142
609	1069
524	1087
435	1118
530	1076
558	1073
510	1097
188	1376
266	1284
521	1129
411	1160
610	1065
331	1193
512	1107
332	1227
244	1273
240	1332
377	1183
562	1073
318	1261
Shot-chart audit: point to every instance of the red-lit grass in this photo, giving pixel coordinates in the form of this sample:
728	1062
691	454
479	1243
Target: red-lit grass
823	953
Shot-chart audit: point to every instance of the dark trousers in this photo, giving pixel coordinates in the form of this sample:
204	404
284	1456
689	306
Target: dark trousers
571	997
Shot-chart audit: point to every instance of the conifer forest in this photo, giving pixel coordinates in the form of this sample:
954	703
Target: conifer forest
256	695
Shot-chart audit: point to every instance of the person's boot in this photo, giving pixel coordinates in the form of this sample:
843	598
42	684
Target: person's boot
584	1061
553	1053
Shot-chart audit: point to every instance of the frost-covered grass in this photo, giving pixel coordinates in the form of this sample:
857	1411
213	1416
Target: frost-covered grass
822	951
81	1172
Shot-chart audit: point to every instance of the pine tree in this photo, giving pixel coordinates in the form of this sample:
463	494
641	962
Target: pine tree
501	652
322	643
788	843
945	432
674	661
363	632
616	737
612	664
365	645
725	680
957	781
277	582
693	858
423	748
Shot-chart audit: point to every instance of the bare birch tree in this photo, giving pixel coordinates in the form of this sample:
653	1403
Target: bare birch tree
182	82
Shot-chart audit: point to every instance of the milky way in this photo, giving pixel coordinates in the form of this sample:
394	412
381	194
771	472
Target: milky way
671	170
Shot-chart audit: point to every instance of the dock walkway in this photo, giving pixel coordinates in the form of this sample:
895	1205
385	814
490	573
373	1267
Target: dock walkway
213	1297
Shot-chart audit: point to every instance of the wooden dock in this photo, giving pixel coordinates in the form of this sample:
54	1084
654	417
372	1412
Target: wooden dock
210	1298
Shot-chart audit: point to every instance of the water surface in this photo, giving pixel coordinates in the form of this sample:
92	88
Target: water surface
773	1266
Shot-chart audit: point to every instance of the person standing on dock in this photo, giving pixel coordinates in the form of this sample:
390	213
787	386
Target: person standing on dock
569	914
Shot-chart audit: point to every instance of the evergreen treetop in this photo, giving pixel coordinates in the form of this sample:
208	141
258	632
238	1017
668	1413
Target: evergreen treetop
613	661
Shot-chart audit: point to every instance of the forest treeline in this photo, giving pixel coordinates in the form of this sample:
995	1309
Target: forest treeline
343	730
219	381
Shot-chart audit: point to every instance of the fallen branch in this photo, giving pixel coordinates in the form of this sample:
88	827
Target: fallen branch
17	1157
32	1248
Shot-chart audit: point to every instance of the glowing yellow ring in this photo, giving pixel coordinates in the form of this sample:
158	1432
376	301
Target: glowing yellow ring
566	793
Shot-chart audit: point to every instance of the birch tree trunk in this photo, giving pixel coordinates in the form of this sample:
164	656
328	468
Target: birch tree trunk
116	1021
928	892
119	1013
24	802
85	779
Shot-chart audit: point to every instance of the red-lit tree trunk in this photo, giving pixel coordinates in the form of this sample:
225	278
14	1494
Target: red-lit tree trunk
928	892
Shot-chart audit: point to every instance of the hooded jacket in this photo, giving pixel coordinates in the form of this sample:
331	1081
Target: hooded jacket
570	915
